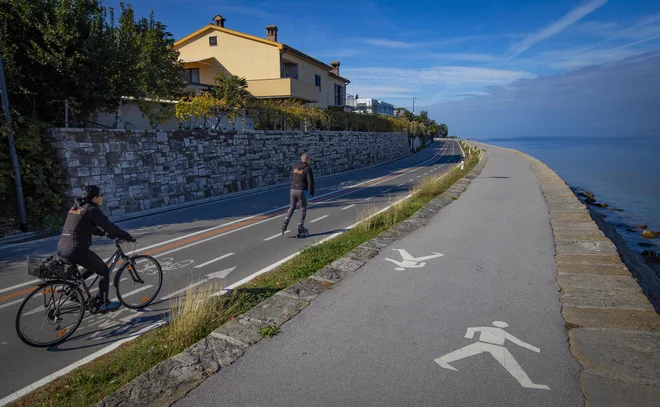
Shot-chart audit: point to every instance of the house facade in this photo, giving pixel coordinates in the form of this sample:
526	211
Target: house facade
374	106
272	69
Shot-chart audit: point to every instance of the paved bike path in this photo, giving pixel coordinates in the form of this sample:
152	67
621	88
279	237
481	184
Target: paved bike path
374	339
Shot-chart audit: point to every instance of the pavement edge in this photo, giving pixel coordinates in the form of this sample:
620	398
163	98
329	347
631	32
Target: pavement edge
173	378
613	329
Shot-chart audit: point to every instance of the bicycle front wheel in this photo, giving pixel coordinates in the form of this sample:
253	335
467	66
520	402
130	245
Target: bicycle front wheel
138	282
50	314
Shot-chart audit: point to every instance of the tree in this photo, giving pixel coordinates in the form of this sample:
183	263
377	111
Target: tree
444	130
232	93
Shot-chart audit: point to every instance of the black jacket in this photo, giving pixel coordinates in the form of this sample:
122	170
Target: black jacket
82	221
302	177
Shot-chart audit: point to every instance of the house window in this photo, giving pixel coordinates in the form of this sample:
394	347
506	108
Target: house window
213	41
290	70
317	81
191	75
339	95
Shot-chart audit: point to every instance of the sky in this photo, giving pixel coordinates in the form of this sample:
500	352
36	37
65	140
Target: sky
487	69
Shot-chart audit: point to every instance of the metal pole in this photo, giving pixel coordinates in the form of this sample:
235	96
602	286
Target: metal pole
413	116
12	152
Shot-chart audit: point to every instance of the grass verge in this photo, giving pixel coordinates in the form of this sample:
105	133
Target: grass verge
194	316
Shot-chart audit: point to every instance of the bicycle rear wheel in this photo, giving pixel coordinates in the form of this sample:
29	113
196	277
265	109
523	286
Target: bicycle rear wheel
138	282
50	314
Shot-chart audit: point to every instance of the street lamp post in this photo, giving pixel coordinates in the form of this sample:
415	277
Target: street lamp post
413	116
12	152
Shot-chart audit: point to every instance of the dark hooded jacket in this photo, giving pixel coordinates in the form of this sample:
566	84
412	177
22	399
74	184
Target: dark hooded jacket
83	220
302	178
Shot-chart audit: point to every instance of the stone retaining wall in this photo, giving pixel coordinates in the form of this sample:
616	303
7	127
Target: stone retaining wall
141	170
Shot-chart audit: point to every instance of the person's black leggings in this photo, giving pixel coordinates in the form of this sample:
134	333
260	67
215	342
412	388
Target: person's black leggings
298	196
92	263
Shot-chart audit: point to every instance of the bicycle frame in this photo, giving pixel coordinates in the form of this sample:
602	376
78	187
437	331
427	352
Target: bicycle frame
111	263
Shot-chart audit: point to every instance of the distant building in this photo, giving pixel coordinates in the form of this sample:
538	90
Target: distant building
374	106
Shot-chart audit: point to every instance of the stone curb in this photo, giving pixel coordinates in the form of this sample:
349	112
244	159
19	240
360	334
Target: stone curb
173	378
613	329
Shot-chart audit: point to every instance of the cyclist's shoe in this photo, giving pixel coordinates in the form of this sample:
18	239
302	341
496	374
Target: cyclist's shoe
110	306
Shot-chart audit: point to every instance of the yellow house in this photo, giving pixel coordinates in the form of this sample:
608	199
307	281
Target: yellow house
272	69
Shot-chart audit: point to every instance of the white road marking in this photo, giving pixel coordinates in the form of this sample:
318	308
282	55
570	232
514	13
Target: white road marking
318	219
85	360
386	191
275	236
146	287
218	274
369	198
224	256
347	207
492	340
410	261
13	287
11	303
401	184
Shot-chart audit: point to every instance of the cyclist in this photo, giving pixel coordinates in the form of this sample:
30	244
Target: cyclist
84	219
302	180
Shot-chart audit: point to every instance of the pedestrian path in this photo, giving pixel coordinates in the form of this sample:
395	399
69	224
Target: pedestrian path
462	312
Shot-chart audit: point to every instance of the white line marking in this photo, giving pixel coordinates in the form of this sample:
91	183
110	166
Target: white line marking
146	287
218	274
275	236
369	198
347	207
13	287
183	290
318	219
401	184
411	180
11	303
224	256
386	191
85	360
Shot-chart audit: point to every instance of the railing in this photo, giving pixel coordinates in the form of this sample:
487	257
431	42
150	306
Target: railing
341	99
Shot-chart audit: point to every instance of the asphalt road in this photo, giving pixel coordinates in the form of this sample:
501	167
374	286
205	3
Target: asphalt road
479	326
230	240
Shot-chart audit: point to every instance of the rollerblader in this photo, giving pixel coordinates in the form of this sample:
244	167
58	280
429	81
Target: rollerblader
302	181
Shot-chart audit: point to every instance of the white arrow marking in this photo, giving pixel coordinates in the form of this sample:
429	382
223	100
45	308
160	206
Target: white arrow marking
218	274
199	266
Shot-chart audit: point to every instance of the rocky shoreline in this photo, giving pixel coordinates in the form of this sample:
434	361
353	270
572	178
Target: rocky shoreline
641	257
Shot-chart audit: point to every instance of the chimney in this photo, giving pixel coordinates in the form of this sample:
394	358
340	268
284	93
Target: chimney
219	20
335	67
271	32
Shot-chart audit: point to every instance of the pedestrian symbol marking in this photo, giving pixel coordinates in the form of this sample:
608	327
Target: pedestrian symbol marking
492	340
410	262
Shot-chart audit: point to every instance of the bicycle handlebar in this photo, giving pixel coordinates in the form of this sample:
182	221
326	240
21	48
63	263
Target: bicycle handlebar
119	240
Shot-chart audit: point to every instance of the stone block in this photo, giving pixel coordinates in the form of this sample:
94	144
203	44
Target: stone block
331	274
306	289
594	298
588	259
611	318
171	379
627	354
595	247
363	252
604	283
600	390
276	310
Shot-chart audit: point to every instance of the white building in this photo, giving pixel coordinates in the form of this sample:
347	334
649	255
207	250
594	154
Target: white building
374	106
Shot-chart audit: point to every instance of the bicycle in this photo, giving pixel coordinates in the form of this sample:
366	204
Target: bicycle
60	296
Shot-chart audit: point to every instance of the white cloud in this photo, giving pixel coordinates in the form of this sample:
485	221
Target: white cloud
457	56
379	42
380	92
445	75
549	30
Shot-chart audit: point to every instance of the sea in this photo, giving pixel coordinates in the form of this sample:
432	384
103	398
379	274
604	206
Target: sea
622	172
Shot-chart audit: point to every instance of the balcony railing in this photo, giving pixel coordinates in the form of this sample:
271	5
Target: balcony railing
341	99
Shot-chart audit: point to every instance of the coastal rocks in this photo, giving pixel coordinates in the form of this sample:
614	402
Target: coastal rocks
651	256
647	234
